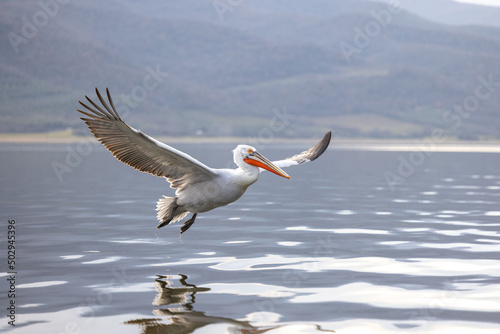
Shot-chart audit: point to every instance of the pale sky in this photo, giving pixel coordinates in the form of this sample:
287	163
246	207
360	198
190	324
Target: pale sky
482	2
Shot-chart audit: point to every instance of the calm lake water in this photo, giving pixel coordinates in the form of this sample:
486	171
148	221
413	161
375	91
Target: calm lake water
333	249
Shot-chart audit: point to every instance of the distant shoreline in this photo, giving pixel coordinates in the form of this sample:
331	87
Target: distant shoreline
371	144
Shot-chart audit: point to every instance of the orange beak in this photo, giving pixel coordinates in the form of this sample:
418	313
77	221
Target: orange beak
256	159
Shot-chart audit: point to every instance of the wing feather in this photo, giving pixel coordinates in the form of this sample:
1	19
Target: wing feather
310	155
139	150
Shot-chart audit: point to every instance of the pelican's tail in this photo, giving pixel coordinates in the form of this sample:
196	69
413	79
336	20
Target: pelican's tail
168	211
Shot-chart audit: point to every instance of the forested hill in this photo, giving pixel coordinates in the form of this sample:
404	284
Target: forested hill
361	68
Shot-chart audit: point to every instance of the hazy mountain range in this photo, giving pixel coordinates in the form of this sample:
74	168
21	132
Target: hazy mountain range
240	68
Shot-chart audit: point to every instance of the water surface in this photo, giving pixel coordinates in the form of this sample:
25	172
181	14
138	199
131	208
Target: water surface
333	249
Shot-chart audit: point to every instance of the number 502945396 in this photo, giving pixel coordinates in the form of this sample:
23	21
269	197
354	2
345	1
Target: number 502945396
11	245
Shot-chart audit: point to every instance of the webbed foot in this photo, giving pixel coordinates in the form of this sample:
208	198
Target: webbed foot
188	223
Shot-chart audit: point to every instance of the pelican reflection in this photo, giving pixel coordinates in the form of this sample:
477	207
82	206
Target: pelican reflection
174	307
168	295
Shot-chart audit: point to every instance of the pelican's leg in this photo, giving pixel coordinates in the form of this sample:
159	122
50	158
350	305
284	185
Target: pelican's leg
169	219
188	223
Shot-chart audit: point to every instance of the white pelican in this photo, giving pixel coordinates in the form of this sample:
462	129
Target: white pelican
199	187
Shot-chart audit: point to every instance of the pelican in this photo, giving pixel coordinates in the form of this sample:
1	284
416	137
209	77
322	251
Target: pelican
199	188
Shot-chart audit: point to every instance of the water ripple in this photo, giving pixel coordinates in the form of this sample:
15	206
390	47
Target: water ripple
104	260
40	284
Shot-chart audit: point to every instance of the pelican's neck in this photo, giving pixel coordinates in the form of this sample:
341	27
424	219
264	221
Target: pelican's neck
252	171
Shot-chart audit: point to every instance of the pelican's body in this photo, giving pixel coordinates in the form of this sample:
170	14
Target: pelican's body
199	187
227	186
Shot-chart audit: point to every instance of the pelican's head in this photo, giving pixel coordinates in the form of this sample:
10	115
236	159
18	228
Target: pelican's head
245	155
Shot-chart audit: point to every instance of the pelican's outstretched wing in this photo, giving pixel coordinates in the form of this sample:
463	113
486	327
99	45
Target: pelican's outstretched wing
139	150
311	154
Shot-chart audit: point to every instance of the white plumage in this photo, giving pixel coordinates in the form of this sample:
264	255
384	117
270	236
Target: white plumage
199	187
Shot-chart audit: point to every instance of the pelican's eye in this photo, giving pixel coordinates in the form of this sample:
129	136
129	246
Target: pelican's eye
250	151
